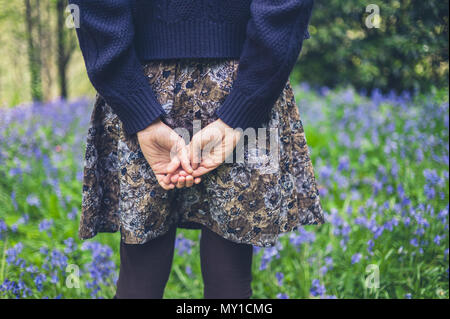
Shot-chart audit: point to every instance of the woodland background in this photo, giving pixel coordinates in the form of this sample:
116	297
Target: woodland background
374	105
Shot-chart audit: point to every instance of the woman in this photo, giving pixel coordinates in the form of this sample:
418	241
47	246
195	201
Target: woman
179	85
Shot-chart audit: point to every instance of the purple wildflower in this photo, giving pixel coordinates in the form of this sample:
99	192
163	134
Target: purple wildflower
317	288
33	200
280	277
39	281
356	258
183	245
45	224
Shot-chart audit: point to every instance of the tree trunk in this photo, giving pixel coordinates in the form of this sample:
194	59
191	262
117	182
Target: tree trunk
46	45
63	51
34	58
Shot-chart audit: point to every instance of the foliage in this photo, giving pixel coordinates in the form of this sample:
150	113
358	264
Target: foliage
409	50
382	163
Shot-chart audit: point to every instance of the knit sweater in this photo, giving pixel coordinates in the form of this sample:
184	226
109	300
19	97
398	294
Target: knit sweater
117	36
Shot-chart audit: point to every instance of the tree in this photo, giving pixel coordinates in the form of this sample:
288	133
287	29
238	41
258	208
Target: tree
409	51
34	50
66	45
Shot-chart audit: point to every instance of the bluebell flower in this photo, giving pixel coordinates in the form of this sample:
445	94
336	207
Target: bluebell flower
39	281
54	279
3	228
33	200
317	288
437	239
301	236
58	259
188	270
370	244
183	245
102	269
72	214
268	254
414	242
70	245
45	224
280	277
13	199
43	250
23	219
13	253
356	258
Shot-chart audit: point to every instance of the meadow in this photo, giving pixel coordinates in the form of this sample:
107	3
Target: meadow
381	161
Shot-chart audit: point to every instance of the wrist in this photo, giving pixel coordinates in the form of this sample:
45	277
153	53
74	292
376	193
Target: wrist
227	128
151	127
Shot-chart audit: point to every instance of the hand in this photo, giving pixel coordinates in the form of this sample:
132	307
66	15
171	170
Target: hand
165	151
211	146
181	179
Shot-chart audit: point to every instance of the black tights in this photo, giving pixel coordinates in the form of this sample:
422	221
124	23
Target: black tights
145	268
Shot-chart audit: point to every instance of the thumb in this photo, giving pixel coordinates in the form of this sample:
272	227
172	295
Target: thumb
195	152
173	165
183	155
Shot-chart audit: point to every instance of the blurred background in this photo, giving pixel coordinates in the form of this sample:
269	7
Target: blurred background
372	89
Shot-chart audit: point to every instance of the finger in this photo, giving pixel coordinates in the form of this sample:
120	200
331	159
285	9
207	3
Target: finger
183	156
183	173
195	152
174	178
165	185
201	171
189	152
181	182
194	165
166	178
210	163
197	180
211	142
189	181
173	165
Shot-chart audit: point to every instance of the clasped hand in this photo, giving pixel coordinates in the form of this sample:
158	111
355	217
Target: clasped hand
176	164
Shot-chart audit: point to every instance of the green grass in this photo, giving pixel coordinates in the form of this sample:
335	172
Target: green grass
364	150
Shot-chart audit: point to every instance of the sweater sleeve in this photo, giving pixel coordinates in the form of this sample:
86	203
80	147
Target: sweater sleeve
275	34
105	35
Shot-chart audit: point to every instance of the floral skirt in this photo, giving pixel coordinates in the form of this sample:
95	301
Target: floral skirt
252	201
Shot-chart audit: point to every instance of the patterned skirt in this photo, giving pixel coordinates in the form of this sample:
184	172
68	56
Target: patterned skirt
250	201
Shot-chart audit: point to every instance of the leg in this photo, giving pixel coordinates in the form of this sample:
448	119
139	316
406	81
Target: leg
226	267
145	268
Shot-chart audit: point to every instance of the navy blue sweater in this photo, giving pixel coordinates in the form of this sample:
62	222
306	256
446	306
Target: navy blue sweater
117	36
